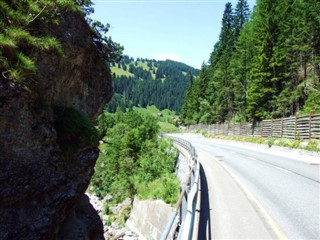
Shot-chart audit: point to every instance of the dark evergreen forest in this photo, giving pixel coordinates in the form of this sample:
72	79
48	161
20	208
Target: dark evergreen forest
265	65
144	82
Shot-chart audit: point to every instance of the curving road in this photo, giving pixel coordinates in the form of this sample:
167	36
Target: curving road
256	193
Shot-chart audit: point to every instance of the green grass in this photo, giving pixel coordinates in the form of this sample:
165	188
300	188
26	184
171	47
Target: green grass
154	111
166	188
144	65
120	72
19	46
164	117
21	37
6	42
281	142
168	128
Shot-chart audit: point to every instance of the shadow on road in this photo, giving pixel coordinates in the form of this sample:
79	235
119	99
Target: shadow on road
204	230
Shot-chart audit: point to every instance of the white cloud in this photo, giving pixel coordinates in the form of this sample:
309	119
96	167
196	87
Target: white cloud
170	56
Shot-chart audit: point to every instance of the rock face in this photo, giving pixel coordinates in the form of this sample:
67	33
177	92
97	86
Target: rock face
42	192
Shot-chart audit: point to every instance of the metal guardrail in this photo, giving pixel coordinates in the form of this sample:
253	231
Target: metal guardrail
187	202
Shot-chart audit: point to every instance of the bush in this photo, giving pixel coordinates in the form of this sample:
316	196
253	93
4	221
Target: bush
166	188
133	157
74	130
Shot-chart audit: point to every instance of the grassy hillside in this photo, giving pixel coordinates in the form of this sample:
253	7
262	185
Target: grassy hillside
167	119
145	82
122	68
120	72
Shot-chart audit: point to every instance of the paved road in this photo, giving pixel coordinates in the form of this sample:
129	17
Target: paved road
252	194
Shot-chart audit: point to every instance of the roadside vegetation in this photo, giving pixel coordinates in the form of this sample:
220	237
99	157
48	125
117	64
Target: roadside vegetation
310	145
133	161
167	119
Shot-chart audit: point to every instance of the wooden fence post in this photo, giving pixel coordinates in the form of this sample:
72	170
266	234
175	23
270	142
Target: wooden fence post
246	126
233	130
261	129
295	127
310	123
281	128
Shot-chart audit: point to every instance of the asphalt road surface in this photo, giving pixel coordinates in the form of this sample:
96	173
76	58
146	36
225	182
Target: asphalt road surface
250	192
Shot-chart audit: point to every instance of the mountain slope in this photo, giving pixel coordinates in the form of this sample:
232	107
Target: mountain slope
144	82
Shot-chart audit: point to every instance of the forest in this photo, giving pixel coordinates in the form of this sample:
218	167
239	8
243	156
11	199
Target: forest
144	82
266	64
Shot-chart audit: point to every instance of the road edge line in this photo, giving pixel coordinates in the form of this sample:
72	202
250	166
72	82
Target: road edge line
274	226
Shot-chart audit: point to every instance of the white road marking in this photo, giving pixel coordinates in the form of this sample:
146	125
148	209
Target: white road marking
272	223
282	169
252	158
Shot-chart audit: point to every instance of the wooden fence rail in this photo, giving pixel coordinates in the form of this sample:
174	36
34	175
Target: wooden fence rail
297	127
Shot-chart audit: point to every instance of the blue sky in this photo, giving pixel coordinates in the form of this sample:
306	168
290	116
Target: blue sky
181	30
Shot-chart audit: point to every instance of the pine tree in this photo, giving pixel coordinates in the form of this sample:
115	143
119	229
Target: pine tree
261	88
240	66
241	16
218	73
267	67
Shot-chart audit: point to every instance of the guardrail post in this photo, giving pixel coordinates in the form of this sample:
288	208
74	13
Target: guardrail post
186	204
183	208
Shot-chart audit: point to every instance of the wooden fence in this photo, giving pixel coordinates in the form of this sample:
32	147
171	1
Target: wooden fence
297	127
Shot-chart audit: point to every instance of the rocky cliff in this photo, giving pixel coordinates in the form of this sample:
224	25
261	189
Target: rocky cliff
43	185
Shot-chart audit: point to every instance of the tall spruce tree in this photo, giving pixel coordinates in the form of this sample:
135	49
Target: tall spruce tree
240	67
220	88
263	66
241	16
261	88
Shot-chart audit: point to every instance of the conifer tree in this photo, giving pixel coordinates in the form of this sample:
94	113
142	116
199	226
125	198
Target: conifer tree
261	88
241	16
240	67
263	66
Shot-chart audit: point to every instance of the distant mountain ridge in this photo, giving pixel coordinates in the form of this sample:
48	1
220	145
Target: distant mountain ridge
145	82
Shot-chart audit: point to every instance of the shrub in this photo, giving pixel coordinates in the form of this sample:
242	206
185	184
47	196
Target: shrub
74	130
133	157
166	187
